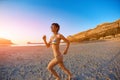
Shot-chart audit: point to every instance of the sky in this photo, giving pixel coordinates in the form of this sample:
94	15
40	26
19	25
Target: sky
28	20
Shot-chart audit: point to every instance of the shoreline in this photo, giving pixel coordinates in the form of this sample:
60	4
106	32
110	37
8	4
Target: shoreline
61	44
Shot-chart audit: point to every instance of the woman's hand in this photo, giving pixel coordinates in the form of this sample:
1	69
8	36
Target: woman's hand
47	44
44	37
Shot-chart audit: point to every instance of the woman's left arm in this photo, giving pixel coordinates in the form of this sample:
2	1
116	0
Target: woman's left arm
67	42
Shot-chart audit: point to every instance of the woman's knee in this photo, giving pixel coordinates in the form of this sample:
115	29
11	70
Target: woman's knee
51	64
49	68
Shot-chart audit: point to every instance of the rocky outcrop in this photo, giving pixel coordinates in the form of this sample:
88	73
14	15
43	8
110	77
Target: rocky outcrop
5	42
102	31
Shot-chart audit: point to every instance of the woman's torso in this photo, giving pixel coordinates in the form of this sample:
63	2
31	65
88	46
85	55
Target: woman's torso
55	41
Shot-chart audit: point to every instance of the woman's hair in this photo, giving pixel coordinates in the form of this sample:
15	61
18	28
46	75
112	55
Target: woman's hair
56	25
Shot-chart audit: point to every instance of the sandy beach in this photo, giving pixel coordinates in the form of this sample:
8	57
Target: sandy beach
86	61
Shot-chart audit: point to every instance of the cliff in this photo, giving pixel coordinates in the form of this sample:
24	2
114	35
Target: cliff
100	32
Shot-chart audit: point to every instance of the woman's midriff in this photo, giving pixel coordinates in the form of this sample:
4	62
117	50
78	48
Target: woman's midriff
58	56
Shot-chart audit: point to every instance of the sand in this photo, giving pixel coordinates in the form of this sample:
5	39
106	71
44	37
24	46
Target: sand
86	61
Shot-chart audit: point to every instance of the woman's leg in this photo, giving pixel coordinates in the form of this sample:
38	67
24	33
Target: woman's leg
51	64
62	66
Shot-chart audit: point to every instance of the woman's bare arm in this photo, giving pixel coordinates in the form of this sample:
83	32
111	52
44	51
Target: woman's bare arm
68	44
46	43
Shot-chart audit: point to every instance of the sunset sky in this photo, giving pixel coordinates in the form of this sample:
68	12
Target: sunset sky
27	20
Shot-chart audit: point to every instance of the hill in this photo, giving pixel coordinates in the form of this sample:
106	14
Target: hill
5	41
101	32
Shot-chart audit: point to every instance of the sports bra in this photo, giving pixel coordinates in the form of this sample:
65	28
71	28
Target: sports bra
54	41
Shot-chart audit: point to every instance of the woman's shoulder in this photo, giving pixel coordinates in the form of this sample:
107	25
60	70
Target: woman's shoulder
61	35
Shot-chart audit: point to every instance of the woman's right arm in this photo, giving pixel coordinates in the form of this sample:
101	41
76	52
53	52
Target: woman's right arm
47	44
